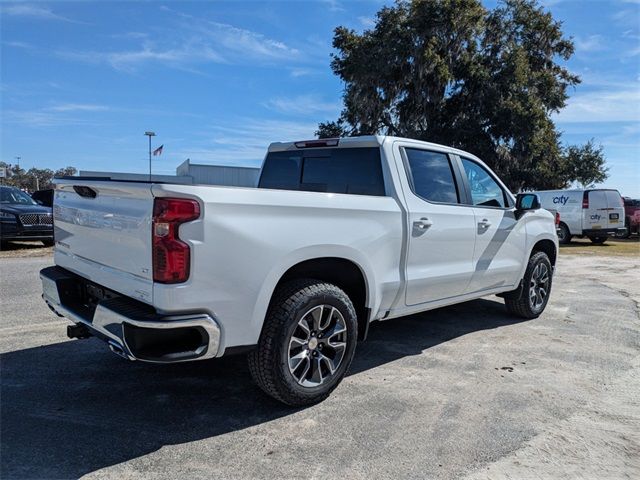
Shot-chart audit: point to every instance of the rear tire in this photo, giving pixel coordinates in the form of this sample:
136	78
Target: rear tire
307	342
564	235
530	300
627	232
598	240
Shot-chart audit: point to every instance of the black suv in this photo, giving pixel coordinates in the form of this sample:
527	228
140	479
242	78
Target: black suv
22	218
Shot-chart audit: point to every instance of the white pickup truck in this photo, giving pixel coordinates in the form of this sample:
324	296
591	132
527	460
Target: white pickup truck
338	233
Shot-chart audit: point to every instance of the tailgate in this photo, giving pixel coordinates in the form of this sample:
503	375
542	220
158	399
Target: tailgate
103	233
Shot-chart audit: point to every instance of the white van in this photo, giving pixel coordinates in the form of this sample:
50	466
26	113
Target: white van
593	213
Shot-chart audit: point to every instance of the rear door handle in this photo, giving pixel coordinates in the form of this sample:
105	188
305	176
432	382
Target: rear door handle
484	223
423	223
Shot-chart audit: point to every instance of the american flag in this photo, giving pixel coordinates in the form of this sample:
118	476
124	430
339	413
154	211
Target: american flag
158	151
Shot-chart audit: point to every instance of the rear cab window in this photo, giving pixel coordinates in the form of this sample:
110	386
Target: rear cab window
355	171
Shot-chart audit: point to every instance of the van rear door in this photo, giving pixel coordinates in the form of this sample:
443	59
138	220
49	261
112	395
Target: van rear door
615	217
595	214
605	211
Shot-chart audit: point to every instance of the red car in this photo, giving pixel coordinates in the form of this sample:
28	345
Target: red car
631	216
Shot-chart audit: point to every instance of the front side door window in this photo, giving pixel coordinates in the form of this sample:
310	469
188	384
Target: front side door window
485	191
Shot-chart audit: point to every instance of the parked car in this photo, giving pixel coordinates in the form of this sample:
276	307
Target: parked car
594	213
43	197
339	233
631	217
21	218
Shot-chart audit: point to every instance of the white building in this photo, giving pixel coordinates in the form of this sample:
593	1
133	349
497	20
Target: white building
191	174
219	174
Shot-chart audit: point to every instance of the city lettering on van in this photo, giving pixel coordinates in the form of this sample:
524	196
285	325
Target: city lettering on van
595	216
562	200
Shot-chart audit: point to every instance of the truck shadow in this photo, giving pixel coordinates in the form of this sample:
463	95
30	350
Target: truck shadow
72	408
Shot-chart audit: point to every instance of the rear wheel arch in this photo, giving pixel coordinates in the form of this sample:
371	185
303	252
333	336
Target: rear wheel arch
341	272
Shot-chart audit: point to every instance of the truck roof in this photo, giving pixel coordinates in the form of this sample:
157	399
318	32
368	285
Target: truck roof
575	190
360	141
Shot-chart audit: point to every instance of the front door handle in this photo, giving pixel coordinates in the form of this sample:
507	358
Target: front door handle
423	223
484	223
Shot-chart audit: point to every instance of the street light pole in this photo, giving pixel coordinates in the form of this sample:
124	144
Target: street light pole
150	134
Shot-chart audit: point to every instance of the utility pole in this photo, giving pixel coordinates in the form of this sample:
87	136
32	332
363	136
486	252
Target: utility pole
18	161
150	134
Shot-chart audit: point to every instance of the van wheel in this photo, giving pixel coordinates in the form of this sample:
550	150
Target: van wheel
598	240
564	236
307	342
627	231
530	300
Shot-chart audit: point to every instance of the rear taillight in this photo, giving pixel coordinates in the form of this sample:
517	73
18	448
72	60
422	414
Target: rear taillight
585	200
557	219
171	256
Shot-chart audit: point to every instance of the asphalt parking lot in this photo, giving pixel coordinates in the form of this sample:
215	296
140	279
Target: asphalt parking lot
465	391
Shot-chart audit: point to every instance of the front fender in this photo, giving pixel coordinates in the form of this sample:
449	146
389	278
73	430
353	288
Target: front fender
540	225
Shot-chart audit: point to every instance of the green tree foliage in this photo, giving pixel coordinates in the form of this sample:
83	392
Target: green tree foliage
456	73
585	164
34	178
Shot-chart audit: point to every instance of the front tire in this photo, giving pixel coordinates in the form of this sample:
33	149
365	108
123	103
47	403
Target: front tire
530	300
307	342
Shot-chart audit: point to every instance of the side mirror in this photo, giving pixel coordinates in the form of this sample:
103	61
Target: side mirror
527	201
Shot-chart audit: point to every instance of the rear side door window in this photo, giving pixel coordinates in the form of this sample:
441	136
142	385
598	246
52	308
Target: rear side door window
432	176
485	191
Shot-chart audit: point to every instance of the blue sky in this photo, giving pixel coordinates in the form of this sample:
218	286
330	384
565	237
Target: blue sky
218	81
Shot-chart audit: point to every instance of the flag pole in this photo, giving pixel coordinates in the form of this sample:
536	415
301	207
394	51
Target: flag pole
150	134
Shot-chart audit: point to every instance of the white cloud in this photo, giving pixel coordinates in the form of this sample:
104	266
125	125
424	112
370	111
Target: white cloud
244	141
301	72
246	43
17	44
42	118
56	115
78	107
603	105
32	11
367	22
592	43
303	105
334	5
198	41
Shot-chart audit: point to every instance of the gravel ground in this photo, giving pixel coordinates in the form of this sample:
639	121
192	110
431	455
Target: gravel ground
464	391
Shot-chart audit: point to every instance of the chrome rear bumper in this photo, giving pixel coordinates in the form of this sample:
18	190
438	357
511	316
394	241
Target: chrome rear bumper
131	329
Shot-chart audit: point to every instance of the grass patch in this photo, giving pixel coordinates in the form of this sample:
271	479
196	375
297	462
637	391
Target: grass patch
613	246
